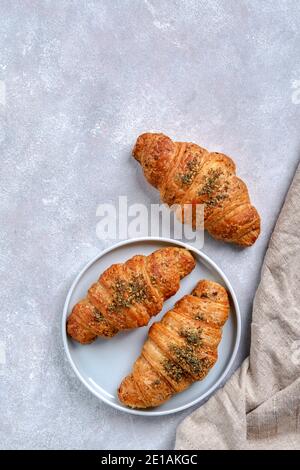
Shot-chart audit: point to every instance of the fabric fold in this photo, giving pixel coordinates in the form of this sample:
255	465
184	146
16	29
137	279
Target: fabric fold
259	407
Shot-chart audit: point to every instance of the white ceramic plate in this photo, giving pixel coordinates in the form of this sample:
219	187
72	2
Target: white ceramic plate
102	365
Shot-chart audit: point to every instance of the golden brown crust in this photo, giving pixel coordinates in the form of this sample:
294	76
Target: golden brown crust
186	173
127	295
180	349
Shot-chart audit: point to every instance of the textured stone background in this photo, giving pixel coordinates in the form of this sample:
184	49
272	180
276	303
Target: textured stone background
78	82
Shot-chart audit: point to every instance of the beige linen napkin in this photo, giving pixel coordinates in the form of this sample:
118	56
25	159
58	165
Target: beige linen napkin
259	407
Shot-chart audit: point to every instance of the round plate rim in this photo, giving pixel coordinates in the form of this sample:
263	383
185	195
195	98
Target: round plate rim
233	298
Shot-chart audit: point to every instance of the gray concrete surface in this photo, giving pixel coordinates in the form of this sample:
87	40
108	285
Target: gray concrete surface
78	82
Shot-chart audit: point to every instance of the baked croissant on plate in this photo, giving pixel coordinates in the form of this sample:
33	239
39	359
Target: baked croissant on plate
180	349
185	173
127	295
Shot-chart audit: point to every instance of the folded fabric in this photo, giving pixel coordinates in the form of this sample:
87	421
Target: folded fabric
259	407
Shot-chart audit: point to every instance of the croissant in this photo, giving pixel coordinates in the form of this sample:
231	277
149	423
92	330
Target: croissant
180	349
127	295
185	173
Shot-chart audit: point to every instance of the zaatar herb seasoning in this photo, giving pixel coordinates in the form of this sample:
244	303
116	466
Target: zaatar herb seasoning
192	336
126	293
174	371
